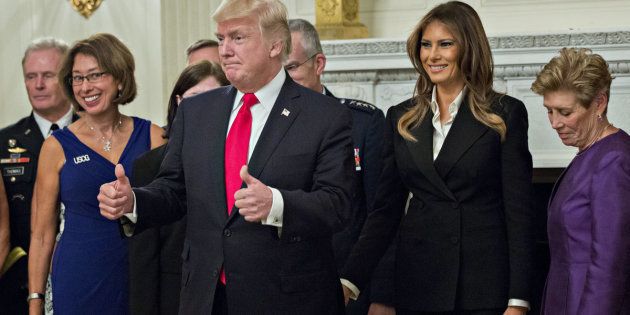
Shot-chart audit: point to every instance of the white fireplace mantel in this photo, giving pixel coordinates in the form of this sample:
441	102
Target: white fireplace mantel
379	71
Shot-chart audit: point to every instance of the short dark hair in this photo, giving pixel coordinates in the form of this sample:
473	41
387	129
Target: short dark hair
202	43
112	57
190	77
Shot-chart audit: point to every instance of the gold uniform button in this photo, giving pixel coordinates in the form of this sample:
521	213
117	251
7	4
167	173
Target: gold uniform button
13	179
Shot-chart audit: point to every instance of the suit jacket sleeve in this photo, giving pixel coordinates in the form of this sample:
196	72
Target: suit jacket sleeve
324	208
372	157
607	277
144	248
164	199
381	225
516	168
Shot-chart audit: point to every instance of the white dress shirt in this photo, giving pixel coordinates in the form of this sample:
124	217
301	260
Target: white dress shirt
266	96
44	124
440	130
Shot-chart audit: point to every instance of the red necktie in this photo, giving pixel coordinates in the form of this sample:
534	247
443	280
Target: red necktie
236	147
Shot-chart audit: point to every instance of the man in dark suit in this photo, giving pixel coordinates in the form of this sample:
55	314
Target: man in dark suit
19	151
269	251
305	65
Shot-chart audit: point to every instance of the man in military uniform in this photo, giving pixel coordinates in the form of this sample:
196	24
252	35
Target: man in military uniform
305	65
20	144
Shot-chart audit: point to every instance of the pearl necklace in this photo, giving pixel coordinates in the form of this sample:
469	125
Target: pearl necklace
107	142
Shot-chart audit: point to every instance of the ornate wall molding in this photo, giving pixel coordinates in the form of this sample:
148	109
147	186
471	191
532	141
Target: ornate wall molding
403	75
379	71
379	47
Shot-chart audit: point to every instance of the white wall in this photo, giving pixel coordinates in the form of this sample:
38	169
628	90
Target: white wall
158	31
136	23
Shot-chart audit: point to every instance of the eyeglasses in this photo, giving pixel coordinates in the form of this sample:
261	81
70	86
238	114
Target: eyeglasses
92	77
293	67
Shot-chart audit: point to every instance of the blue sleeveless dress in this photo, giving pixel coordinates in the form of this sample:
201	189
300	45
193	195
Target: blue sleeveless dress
90	262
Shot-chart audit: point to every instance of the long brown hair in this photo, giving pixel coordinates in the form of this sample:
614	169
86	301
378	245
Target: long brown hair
475	64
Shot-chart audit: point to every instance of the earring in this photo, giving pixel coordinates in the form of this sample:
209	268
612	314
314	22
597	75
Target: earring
119	94
599	117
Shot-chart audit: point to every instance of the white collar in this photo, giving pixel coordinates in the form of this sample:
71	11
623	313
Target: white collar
453	108
44	124
268	94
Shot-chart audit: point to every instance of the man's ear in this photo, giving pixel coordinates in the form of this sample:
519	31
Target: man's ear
276	49
320	63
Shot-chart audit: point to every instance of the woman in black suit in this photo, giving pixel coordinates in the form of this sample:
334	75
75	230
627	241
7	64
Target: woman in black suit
155	263
464	246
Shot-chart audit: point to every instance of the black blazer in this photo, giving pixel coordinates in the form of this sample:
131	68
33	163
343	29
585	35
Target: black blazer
155	263
305	152
465	242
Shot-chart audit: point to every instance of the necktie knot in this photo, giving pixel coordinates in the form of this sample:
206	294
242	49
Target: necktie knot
249	100
53	127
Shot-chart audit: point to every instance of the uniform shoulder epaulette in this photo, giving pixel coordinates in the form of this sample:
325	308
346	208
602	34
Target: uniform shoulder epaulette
13	128
357	104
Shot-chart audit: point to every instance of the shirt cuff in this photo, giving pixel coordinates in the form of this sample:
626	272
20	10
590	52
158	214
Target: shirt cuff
354	291
519	303
129	220
277	209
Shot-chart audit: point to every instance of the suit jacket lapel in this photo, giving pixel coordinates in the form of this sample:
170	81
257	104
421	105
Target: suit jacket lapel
275	128
214	129
282	116
463	134
422	153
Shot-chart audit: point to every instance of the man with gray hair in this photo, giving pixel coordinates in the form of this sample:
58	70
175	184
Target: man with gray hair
264	170
305	65
19	151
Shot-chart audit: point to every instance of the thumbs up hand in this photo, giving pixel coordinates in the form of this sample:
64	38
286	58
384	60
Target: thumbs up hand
116	198
253	202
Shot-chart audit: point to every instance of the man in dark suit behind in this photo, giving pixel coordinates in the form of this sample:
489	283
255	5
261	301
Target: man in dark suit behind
19	151
269	251
305	65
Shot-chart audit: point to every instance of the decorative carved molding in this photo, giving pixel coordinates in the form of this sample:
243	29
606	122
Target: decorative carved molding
85	7
339	19
504	42
404	75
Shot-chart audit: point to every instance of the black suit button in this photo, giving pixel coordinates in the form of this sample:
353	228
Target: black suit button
215	273
454	239
296	239
455	205
227	233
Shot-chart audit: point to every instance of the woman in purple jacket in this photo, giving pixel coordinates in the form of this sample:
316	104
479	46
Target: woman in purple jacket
589	211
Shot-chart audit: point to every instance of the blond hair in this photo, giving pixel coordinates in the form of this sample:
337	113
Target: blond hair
271	14
577	70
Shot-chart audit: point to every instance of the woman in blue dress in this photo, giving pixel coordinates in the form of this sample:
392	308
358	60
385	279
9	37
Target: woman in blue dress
90	263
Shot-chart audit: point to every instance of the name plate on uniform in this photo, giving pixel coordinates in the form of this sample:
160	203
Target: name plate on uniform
13	171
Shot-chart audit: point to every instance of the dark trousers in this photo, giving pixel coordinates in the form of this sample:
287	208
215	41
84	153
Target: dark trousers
473	312
13	289
220	306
